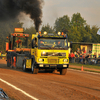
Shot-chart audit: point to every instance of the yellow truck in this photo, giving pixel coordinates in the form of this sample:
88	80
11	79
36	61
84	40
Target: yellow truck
49	52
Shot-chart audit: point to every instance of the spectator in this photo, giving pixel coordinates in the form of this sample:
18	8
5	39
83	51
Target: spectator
72	57
77	58
81	51
78	50
75	53
94	56
98	60
94	61
87	58
81	58
90	51
84	60
84	51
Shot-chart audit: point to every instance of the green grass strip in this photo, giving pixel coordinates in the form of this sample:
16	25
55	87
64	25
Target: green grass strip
85	70
86	65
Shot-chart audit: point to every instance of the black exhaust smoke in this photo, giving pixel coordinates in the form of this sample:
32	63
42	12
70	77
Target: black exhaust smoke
10	9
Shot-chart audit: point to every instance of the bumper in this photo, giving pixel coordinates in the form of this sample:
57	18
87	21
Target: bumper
54	66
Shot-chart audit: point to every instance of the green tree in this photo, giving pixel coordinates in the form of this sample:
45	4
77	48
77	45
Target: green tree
62	24
86	34
79	29
74	35
30	31
47	28
7	28
77	20
95	36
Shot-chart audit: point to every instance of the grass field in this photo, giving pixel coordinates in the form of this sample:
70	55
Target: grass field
87	65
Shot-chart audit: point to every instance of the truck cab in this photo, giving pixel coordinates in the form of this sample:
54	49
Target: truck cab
49	52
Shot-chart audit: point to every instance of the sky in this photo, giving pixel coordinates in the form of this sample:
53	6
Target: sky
53	9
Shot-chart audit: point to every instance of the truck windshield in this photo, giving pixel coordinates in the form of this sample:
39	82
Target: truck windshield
20	42
52	43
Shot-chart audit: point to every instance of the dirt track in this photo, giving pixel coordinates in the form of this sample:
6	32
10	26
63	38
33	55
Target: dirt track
75	85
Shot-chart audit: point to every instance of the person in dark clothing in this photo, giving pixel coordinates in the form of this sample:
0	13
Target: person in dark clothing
81	58
90	51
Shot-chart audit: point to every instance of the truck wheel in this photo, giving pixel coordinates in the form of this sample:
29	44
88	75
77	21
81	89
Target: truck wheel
24	66
34	70
63	71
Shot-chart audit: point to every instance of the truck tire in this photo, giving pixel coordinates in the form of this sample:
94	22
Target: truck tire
63	71
24	66
34	70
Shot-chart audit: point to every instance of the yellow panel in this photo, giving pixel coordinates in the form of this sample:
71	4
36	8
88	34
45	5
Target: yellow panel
60	51
33	36
28	63
32	51
51	59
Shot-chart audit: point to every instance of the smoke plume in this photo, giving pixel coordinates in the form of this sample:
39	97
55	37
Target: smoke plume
10	9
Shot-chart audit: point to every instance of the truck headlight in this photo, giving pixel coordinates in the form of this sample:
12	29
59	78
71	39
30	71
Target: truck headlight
40	59
41	65
43	53
65	60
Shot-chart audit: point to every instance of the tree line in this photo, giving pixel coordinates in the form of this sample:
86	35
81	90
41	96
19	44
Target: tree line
76	28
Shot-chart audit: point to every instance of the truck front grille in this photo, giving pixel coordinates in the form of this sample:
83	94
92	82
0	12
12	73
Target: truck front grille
52	61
